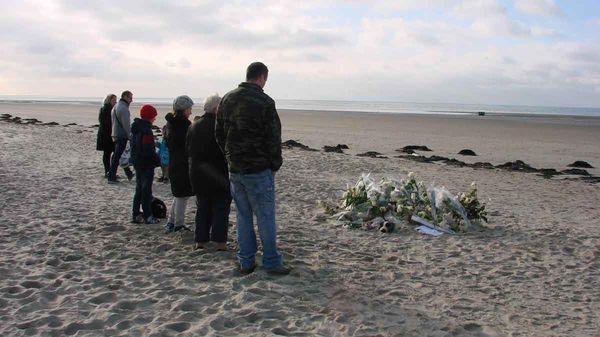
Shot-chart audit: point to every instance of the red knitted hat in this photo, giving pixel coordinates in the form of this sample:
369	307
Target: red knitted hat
148	112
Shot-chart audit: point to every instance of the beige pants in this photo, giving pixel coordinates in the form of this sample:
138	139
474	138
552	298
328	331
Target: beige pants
177	213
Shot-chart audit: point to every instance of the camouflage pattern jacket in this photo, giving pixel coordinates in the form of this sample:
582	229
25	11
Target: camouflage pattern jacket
248	130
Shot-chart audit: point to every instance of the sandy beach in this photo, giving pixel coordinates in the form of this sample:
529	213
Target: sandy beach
72	264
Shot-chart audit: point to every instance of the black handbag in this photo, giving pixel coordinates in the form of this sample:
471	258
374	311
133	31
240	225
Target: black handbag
159	209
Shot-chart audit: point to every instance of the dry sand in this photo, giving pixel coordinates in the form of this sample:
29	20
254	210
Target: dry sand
72	264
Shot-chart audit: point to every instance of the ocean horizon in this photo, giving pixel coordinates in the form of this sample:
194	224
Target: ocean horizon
418	108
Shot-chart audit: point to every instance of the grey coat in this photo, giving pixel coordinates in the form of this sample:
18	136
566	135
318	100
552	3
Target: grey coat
121	127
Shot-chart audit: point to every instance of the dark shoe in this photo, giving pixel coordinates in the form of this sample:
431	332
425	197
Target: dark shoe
137	219
181	228
221	246
246	271
199	245
129	174
113	181
169	226
279	271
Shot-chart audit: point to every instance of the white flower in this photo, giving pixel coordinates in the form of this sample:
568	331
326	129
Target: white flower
473	185
411	175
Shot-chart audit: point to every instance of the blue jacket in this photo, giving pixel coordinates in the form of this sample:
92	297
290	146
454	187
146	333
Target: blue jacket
143	153
163	152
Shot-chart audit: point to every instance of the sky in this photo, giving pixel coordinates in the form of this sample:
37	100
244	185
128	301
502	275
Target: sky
523	52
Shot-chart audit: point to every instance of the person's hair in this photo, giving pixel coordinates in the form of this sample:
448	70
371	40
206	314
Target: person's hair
211	103
126	93
255	70
108	99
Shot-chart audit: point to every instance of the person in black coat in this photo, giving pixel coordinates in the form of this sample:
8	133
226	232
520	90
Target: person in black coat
209	177
176	130
104	141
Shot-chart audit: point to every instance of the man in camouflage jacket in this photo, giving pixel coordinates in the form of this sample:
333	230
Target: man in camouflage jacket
248	131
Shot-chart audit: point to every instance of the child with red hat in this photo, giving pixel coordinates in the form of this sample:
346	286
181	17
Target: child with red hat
144	160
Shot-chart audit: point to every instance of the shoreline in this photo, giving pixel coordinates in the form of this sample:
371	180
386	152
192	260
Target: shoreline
165	106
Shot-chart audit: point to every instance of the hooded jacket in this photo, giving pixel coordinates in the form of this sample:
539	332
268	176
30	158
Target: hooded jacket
143	153
176	130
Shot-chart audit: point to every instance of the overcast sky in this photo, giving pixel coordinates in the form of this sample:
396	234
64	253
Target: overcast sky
534	52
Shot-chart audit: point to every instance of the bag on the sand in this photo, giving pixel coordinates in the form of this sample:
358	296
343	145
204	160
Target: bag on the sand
159	209
124	161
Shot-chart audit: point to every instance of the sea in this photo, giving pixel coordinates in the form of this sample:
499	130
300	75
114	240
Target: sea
91	104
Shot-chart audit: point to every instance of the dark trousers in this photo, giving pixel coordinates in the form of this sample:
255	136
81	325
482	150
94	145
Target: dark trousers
212	218
106	161
120	145
143	192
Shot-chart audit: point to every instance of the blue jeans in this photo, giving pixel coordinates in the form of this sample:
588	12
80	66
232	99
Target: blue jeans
143	192
254	194
120	145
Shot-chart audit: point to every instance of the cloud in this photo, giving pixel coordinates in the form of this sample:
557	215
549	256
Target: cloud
181	63
470	51
539	7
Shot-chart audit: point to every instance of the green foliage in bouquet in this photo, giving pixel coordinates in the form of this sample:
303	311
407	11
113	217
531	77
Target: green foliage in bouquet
355	195
474	208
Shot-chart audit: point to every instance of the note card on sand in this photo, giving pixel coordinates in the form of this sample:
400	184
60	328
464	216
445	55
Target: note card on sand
428	231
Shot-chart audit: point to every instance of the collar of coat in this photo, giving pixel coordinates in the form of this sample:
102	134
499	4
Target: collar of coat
252	86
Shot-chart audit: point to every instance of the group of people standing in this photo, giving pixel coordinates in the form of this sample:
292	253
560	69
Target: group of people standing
232	152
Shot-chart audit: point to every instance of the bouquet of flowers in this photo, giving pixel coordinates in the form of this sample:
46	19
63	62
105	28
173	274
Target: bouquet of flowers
380	205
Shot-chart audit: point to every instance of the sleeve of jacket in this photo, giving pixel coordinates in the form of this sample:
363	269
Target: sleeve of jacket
220	128
149	149
273	136
189	143
125	118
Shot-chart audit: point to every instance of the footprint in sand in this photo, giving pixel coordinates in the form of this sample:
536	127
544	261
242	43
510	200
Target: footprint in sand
124	325
32	284
178	326
104	298
222	324
188	305
73	328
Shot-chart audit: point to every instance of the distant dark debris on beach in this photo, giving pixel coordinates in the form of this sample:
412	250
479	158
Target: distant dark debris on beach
291	144
336	149
18	120
372	154
517	166
467	152
410	149
580	164
580	172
